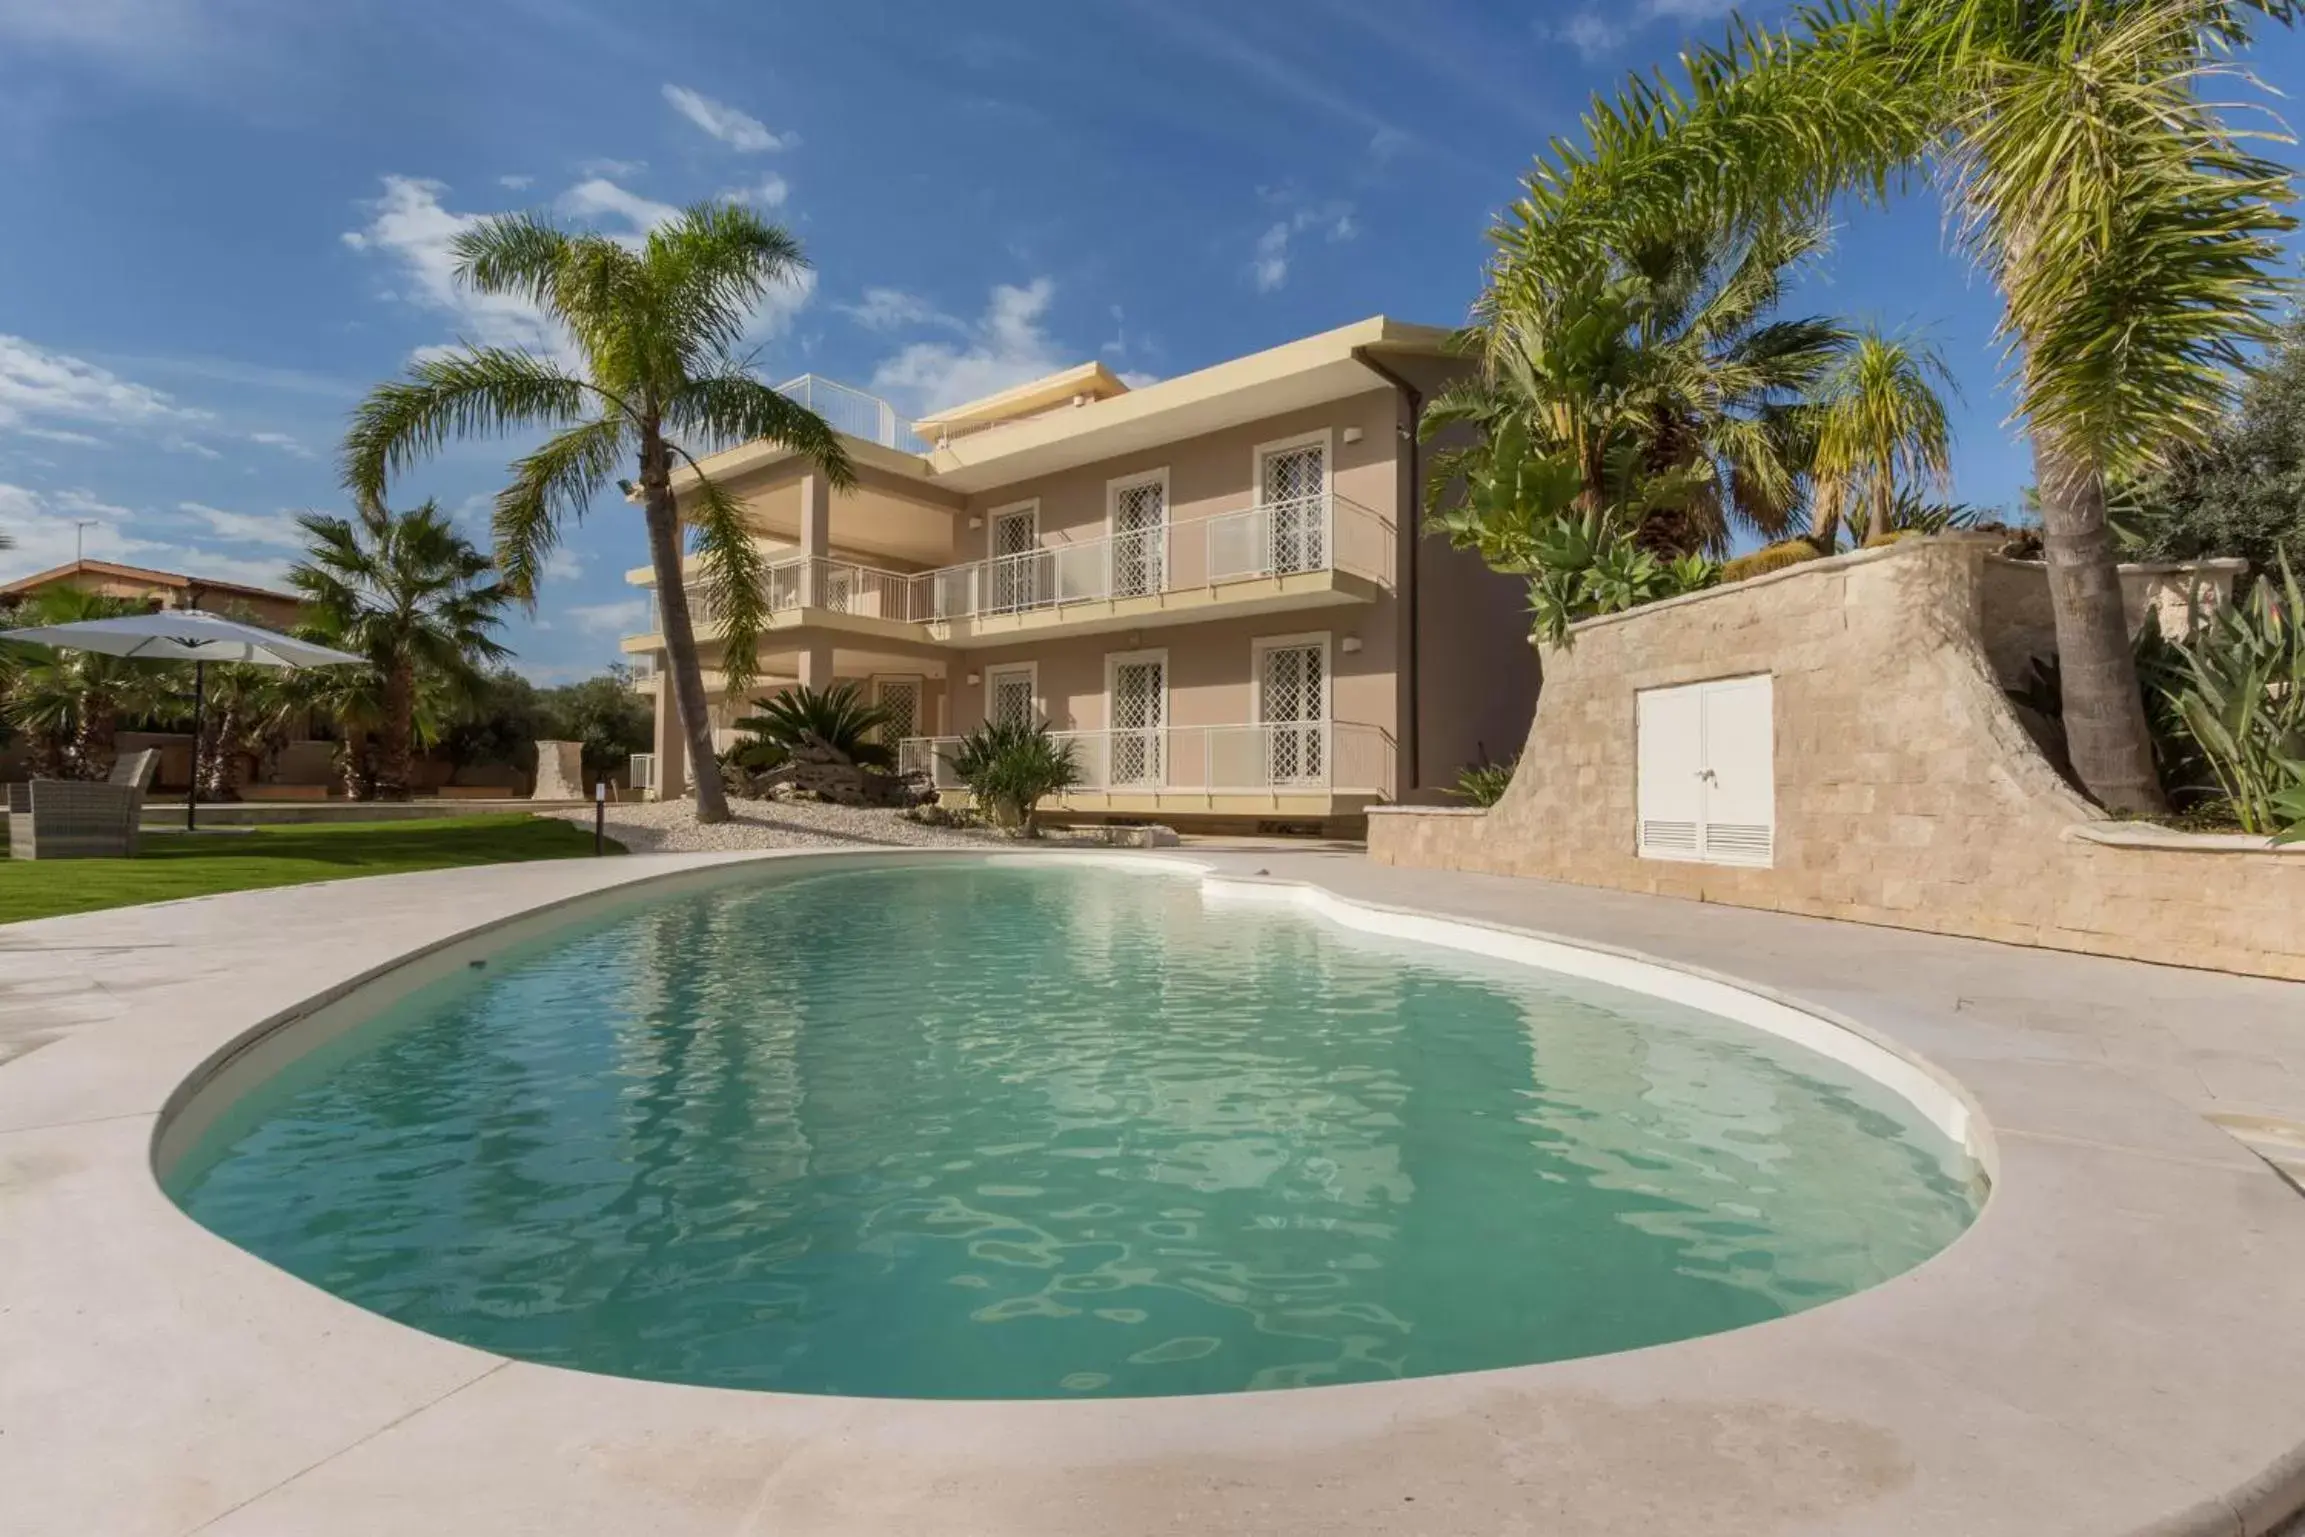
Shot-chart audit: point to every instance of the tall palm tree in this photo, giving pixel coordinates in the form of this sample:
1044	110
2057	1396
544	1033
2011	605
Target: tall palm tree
1880	432
656	331
69	704
2091	172
413	596
1655	357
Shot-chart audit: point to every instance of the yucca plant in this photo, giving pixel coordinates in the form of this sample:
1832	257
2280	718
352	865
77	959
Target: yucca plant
1010	768
2239	688
1880	431
1484	783
835	717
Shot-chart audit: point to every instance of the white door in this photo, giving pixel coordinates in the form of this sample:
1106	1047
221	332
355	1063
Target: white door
1292	707
1008	696
1014	577
1139	695
901	698
1139	539
1295	494
1706	767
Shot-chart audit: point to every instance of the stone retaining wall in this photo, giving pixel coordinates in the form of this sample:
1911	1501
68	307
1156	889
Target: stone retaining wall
1908	792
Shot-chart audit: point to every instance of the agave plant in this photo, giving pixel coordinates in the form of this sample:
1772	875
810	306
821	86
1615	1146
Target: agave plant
835	717
1484	783
1010	768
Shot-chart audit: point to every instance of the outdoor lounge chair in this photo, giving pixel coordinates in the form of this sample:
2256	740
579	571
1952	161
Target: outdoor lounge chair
74	819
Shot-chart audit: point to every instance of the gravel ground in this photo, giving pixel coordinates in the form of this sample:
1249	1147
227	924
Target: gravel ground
671	827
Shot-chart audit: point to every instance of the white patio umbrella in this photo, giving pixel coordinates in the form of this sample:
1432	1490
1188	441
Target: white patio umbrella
186	635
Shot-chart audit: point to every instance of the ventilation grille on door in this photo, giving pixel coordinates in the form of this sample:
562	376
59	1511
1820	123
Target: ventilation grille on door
1738	843
1667	840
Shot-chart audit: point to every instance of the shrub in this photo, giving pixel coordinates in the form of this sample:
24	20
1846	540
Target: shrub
1010	767
835	717
2237	687
1484	783
1768	558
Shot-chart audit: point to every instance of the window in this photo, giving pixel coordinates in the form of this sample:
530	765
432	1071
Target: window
1292	709
1136	691
1139	516
1706	767
1012	695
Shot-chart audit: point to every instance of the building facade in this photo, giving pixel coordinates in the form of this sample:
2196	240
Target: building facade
1212	586
164	589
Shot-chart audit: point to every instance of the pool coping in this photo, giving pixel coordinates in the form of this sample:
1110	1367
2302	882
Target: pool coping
2109	1348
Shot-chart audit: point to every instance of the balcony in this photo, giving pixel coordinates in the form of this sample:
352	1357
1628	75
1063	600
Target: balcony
1313	768
1309	552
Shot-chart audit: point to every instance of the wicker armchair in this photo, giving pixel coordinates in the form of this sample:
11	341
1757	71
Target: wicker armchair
74	819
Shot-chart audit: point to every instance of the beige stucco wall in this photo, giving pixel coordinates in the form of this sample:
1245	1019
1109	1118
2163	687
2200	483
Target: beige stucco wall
1907	792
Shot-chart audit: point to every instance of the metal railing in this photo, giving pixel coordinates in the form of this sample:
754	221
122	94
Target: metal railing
848	409
1215	760
1310	533
640	771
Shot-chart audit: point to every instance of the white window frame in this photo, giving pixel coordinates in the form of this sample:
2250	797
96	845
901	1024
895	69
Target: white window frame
1324	436
1114	661
1029	507
1112	490
919	682
1263	643
1031	670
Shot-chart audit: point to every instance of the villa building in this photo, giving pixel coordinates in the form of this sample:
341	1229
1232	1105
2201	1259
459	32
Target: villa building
163	589
1212	585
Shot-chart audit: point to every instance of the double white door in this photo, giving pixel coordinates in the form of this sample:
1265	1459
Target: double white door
1138	740
1707	787
1295	493
1292	710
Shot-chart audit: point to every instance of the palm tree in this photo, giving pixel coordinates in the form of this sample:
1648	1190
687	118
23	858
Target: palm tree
69	704
656	330
1880	433
413	596
2089	171
1654	358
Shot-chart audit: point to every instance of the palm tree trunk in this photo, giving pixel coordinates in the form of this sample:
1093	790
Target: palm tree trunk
93	743
398	729
2111	748
679	634
1878	525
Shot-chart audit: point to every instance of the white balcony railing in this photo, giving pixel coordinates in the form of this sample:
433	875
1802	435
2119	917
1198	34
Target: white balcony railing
1332	756
847	409
1312	533
640	771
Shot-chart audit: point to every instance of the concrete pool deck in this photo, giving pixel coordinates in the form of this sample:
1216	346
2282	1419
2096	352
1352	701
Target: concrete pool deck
2113	1347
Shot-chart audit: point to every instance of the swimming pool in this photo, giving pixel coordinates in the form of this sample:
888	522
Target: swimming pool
976	1129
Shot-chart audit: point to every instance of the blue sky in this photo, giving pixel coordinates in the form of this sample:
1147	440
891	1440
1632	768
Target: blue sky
226	218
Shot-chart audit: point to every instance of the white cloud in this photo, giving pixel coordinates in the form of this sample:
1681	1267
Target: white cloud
411	227
614	170
59	435
768	192
283	442
1593	35
735	129
1006	346
892	309
278	528
38	385
1269	256
602	198
516	183
46	531
563	565
625	618
177	443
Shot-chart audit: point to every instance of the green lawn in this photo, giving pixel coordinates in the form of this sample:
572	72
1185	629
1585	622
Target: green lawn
177	865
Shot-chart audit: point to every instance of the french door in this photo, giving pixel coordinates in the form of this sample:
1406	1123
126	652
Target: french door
900	697
1009	696
1014	570
1138	690
1294	489
1139	538
1292	709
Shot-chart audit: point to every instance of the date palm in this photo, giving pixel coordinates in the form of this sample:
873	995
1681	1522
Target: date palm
1880	433
654	384
2088	168
69	704
413	596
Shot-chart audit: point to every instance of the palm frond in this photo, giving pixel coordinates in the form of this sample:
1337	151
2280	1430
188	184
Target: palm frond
554	483
471	392
734	407
735	574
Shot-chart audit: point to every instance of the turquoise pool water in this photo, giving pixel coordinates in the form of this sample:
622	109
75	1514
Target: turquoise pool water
989	1131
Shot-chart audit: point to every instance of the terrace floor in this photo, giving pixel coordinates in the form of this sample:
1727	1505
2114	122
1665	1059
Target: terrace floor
2111	1347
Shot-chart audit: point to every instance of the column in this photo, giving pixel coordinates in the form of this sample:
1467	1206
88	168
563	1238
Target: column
670	748
816	665
815	535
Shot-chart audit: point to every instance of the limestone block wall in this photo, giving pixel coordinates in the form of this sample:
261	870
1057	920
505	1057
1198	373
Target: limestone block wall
1907	791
